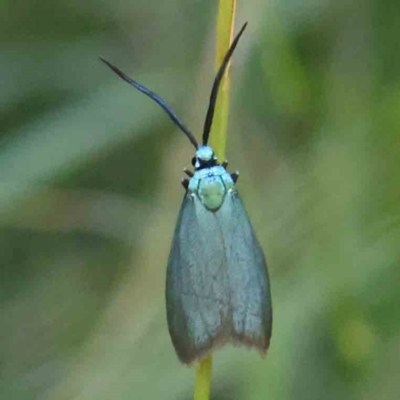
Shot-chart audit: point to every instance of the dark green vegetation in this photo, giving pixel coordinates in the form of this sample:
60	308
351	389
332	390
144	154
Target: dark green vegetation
90	190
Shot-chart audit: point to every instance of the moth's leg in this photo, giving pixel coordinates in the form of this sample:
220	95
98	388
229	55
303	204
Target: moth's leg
235	176
185	183
188	172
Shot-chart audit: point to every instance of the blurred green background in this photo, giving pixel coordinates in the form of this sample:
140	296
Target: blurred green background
90	191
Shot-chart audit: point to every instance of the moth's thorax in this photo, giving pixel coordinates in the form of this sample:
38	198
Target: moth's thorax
210	185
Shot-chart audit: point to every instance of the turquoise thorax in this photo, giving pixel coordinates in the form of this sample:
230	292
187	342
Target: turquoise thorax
210	185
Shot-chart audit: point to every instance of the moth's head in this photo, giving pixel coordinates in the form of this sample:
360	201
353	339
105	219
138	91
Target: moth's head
204	158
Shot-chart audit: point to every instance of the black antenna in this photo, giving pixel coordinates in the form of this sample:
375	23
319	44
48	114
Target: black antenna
156	98
217	81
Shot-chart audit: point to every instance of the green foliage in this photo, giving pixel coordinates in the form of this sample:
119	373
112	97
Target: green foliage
90	191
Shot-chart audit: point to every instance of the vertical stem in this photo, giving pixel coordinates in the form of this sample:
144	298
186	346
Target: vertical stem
225	26
203	379
225	31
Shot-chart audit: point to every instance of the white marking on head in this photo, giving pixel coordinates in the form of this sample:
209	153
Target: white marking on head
203	155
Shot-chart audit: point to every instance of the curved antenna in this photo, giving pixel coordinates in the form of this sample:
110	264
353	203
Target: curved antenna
217	81
156	98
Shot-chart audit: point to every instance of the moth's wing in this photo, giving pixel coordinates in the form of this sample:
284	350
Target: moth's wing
249	289
197	288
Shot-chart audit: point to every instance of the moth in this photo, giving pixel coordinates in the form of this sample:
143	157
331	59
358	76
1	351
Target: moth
217	286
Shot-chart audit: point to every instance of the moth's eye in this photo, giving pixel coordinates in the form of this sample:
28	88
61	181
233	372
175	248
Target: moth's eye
193	161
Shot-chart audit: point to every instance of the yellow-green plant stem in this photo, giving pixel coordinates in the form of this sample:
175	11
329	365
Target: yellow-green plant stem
203	379
225	31
225	26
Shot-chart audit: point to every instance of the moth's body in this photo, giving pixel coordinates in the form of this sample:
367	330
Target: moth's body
217	285
209	183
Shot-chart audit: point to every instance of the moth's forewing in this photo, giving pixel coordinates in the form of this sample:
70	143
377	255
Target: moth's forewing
196	289
249	289
217	283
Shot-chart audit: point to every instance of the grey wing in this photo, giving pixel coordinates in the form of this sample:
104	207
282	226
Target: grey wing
250	296
196	287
